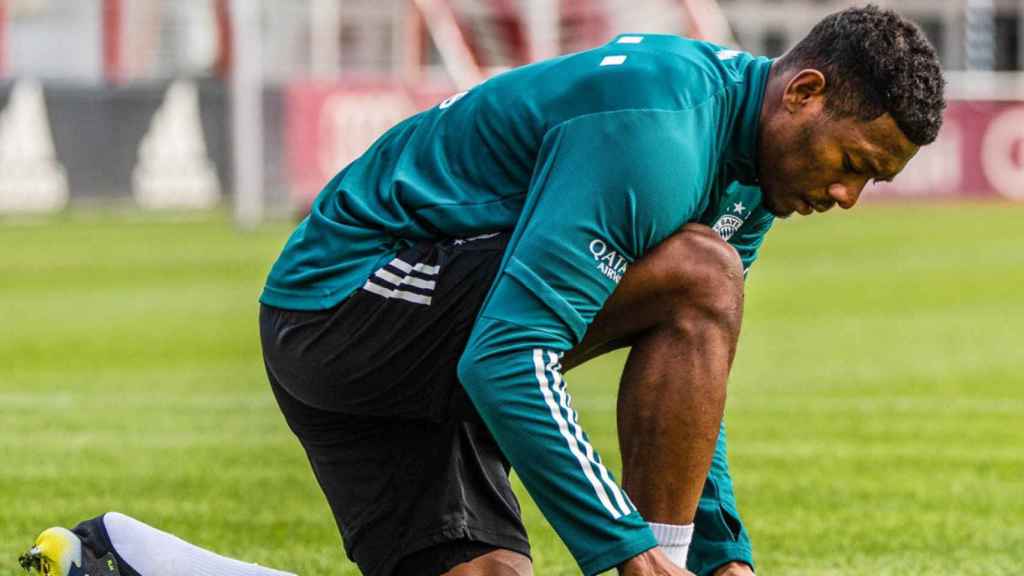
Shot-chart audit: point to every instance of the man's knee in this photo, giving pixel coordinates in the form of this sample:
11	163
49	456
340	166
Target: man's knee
689	282
701	277
499	562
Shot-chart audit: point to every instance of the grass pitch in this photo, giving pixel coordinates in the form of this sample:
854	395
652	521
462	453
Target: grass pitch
876	412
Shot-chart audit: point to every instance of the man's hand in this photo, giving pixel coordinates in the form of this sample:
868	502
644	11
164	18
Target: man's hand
652	563
735	569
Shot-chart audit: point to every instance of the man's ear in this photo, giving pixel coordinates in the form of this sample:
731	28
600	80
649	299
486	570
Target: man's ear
805	87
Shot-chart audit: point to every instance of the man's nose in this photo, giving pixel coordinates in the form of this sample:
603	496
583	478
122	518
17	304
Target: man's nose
846	195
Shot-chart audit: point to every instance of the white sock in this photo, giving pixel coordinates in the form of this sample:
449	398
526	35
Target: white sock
673	540
152	552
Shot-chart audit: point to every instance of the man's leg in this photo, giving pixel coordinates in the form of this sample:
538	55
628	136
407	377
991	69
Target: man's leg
153	552
496	563
680	308
117	545
417	484
465	558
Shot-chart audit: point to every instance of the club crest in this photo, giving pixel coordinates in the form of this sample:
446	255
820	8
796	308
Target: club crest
727	225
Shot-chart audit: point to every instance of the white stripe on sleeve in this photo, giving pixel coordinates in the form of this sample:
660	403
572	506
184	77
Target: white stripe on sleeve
573	417
563	428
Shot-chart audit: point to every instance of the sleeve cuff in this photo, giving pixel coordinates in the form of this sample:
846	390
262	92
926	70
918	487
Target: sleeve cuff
622	551
716	554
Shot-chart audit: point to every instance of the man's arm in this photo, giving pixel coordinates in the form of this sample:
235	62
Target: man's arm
607	189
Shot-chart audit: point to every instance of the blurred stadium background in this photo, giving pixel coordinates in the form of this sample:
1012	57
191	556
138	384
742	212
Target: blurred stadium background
154	155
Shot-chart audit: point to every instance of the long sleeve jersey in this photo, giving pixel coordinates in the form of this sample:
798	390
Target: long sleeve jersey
591	160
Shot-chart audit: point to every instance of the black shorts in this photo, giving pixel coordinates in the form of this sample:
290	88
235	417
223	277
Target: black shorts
415	480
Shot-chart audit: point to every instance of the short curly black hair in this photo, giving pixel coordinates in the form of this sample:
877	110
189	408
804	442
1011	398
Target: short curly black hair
875	61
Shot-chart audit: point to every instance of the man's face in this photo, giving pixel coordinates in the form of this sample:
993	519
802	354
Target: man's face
810	161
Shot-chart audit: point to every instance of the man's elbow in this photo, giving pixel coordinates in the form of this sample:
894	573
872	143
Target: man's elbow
473	372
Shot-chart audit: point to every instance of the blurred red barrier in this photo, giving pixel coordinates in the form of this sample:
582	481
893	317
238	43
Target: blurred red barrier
328	126
979	153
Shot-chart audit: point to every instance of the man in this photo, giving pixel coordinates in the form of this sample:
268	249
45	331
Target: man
418	323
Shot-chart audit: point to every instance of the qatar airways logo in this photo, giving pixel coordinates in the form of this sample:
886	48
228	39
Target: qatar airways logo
609	262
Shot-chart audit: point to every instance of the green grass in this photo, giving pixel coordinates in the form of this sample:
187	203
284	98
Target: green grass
876	412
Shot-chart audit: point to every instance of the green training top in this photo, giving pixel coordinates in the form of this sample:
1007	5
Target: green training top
591	160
